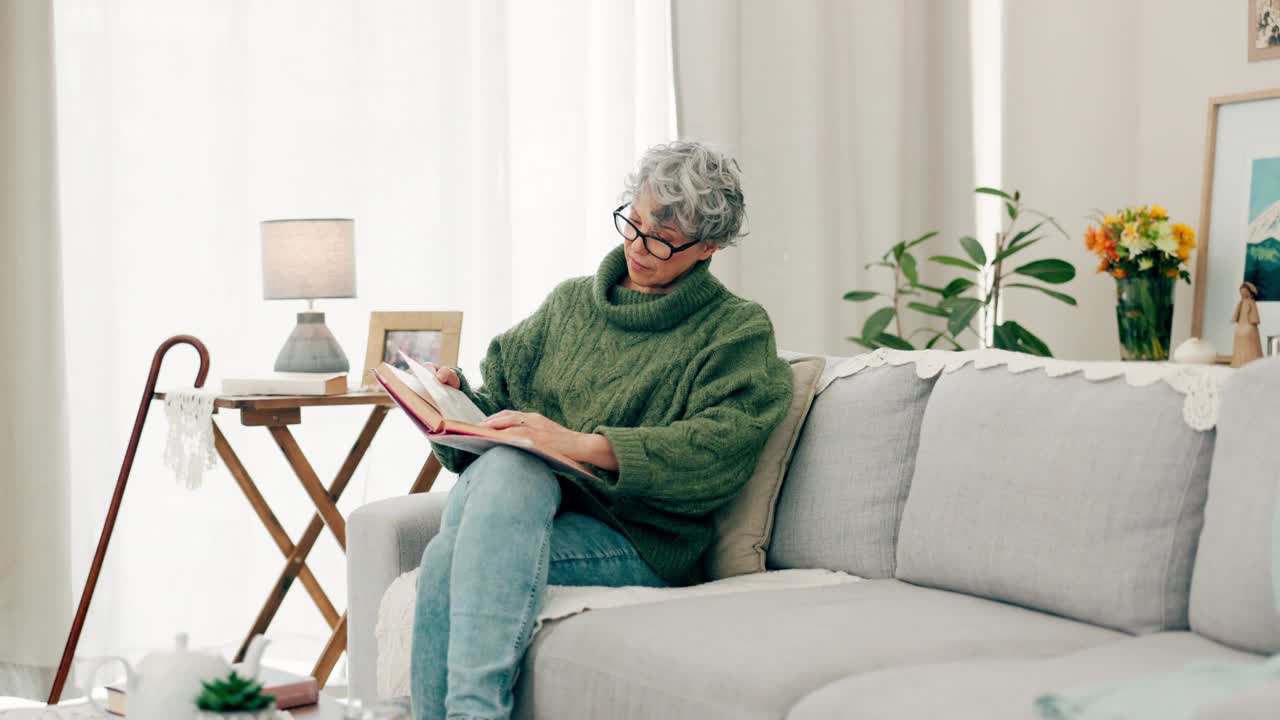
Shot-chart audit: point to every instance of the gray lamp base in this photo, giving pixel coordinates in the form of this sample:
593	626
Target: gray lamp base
311	348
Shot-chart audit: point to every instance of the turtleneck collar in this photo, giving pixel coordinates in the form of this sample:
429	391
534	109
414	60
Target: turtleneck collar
696	288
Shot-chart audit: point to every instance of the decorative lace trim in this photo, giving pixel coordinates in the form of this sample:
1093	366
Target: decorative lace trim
188	450
1200	384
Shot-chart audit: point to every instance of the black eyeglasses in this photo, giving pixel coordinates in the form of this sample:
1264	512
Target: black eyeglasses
658	248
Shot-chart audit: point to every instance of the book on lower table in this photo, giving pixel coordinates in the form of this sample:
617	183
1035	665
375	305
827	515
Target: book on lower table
449	418
289	690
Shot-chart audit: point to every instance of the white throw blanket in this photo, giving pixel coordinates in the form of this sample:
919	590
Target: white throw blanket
395	614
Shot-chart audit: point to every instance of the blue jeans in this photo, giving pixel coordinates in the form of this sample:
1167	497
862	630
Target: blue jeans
480	589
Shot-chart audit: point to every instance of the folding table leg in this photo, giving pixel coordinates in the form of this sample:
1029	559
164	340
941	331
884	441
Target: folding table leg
294	563
273	526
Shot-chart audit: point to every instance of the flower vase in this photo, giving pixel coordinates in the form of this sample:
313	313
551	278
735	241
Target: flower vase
1144	316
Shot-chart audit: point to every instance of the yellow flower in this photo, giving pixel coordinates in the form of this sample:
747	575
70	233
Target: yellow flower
1111	220
1185	235
1159	213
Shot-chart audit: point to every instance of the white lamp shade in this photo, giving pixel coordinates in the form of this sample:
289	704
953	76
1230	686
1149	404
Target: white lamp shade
308	259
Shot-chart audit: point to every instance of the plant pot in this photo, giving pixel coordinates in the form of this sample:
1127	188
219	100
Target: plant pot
1144	317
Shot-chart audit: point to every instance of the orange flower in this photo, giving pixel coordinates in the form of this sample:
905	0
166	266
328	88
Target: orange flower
1171	272
1119	274
1102	266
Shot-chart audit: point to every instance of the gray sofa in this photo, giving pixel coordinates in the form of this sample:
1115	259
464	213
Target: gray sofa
1019	534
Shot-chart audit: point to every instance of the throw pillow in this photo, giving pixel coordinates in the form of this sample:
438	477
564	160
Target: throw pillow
744	526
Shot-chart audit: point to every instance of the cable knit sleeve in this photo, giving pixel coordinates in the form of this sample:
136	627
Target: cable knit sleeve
693	465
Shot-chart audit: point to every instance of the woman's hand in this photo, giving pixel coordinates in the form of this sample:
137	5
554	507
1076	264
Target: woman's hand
445	375
550	435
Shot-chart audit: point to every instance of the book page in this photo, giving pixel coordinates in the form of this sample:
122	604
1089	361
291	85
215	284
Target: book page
452	403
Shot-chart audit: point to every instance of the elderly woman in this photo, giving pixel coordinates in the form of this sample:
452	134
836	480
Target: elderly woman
651	372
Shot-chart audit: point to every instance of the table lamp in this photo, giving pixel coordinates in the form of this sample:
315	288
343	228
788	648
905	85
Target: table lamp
309	259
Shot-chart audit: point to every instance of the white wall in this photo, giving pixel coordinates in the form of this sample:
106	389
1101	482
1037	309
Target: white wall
1105	107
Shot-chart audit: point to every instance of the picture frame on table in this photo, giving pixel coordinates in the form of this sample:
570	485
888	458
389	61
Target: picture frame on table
1239	237
1264	30
429	336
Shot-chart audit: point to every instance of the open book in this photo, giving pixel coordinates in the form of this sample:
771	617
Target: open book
448	417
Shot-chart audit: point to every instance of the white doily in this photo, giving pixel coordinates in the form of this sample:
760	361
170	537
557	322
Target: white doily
1199	384
188	450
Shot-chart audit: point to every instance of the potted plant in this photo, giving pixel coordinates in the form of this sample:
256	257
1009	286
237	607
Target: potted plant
234	698
1146	254
977	295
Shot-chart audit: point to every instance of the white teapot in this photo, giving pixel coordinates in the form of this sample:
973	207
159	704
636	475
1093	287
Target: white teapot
165	684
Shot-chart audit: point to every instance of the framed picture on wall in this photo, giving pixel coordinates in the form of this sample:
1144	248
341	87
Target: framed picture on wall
423	336
1264	30
1239	215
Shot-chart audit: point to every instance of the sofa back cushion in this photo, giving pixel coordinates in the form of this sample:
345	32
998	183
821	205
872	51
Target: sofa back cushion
1232	595
1080	498
842	498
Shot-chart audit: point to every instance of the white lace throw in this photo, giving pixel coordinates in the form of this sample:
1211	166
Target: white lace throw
188	450
395	613
1200	384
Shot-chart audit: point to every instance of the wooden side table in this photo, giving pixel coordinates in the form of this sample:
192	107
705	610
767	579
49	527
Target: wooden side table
276	413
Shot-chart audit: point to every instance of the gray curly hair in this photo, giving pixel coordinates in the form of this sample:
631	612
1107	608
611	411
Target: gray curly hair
696	187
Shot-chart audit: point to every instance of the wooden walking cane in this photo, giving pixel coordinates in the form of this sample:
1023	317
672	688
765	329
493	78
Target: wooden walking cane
73	637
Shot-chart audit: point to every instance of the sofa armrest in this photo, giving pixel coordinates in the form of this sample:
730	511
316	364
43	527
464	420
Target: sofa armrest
385	539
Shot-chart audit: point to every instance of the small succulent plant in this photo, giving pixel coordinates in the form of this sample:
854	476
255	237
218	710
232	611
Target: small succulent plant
233	694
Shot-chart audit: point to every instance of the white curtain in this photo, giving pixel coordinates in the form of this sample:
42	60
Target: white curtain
35	597
480	147
853	124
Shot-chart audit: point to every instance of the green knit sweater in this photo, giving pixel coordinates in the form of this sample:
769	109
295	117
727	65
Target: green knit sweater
687	386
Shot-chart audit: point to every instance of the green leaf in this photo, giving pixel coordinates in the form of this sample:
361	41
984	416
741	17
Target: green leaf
957	286
1003	339
1048	219
928	309
933	341
955	262
908	264
1054	272
1027	342
920	239
1025	233
962	312
974	250
890	340
868	344
928	288
1012	248
1013	211
1051	293
898	249
993	191
877	322
860	295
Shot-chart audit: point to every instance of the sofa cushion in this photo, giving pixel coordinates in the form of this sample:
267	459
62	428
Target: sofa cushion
1072	496
1232	599
744	526
753	655
842	500
1003	689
